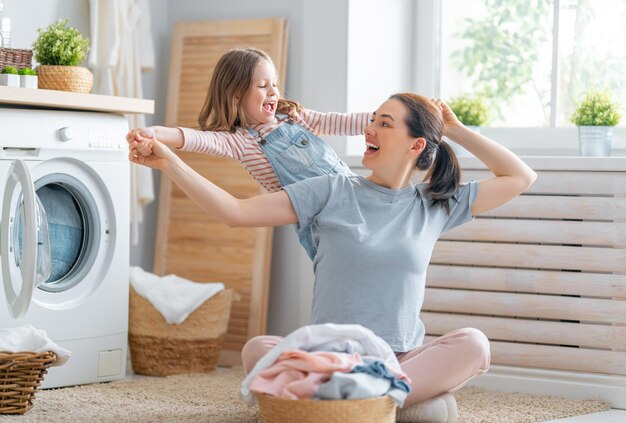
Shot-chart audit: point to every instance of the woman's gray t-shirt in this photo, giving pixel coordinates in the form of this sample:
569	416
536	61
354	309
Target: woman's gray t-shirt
373	247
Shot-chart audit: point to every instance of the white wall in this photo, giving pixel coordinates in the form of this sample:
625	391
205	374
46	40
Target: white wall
28	15
380	56
155	88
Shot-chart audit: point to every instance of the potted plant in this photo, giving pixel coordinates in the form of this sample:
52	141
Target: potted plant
60	50
9	77
473	112
595	116
28	78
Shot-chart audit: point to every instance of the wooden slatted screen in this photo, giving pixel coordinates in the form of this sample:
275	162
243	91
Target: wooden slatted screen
543	276
189	242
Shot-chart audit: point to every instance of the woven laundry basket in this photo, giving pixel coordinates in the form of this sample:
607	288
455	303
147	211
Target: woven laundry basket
76	79
374	410
16	57
21	374
158	348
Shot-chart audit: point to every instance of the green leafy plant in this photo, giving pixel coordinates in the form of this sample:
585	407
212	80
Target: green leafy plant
26	71
597	109
471	110
60	45
9	70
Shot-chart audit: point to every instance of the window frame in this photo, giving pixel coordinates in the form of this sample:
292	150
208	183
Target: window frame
551	140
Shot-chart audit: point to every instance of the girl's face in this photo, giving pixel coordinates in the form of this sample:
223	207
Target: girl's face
387	139
259	103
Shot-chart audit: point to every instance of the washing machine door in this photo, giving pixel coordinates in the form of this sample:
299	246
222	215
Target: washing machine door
24	240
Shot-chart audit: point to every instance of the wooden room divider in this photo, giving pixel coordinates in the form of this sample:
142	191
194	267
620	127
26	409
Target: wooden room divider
189	242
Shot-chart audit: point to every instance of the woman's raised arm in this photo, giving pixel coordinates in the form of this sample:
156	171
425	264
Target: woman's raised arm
511	175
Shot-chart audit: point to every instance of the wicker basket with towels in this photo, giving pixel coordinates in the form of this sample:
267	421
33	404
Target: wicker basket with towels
159	348
21	373
26	353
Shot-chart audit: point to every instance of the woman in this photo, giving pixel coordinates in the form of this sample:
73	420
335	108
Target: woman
374	236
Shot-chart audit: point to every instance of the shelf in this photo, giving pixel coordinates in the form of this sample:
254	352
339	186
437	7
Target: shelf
75	101
559	163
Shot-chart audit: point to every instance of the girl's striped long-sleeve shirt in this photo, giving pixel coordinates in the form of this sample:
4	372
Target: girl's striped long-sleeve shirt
243	146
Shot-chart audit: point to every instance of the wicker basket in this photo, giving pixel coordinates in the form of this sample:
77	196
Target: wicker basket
20	376
16	57
158	348
278	410
77	79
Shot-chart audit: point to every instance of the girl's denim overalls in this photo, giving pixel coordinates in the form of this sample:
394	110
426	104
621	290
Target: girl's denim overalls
296	154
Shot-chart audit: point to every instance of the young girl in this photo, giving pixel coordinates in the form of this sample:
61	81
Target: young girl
245	119
374	236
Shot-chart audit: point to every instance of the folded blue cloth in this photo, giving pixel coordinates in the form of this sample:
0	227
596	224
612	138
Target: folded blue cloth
370	380
358	386
377	368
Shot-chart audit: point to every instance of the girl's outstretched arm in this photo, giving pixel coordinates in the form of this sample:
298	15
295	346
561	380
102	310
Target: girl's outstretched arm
334	123
273	209
512	175
172	137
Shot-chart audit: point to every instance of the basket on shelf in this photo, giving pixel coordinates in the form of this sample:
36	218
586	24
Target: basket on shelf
76	79
279	410
21	374
158	348
16	57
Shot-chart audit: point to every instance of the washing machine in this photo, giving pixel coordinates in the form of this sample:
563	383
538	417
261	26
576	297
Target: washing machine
64	236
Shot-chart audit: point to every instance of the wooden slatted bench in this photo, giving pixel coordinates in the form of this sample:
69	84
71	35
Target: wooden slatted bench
544	277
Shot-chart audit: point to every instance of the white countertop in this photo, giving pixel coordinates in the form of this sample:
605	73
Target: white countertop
74	101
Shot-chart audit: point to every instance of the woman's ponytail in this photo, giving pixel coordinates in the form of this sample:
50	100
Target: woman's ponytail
444	176
438	159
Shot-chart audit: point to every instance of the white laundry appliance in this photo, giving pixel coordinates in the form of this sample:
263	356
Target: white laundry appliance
65	270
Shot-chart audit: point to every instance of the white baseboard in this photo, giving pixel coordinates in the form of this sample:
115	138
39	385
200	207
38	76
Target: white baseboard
611	389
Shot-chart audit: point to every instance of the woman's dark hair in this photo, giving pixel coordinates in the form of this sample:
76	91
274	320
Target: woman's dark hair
444	174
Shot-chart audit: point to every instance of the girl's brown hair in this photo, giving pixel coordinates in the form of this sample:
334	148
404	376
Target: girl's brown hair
232	78
444	173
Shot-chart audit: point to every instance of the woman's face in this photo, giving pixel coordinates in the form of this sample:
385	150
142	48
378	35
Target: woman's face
259	103
387	139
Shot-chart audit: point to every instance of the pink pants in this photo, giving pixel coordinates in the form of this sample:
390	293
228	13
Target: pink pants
443	365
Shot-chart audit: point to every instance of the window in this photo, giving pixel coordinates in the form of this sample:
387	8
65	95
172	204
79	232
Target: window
532	60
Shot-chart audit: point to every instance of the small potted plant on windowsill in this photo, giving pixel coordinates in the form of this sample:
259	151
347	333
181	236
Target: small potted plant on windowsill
9	77
60	50
595	116
28	78
473	112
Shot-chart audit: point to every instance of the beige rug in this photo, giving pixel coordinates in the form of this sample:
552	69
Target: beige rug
214	398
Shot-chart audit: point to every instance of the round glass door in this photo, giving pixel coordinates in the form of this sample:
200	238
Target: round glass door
24	242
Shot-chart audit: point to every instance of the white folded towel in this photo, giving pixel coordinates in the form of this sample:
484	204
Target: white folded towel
175	297
27	338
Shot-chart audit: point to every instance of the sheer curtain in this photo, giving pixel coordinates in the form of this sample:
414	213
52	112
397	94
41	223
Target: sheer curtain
121	49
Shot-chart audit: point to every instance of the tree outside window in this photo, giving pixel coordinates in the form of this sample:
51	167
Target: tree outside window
532	75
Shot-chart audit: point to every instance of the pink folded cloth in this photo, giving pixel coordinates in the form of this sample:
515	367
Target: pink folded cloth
298	374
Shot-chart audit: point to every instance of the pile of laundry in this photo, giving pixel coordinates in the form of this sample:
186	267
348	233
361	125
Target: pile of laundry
328	361
28	338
